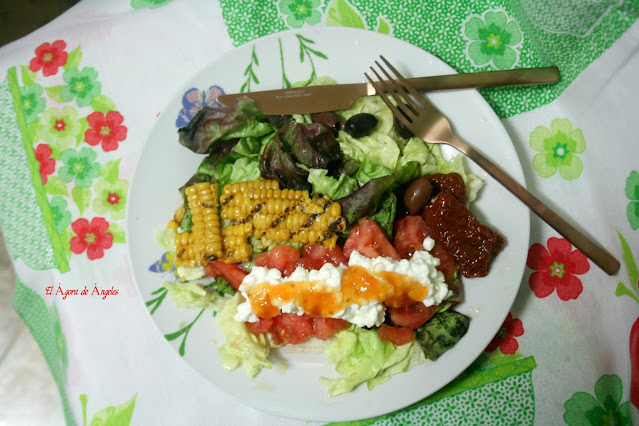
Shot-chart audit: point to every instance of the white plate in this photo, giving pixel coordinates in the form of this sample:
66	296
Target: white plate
295	391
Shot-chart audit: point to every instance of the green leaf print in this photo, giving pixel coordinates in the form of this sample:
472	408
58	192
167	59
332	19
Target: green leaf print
183	331
250	74
55	186
103	104
28	76
118	415
307	52
118	233
53	92
81	197
161	294
383	27
632	193
342	14
631	290
74	58
110	171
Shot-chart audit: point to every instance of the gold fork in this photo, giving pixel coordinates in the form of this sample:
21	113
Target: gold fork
429	124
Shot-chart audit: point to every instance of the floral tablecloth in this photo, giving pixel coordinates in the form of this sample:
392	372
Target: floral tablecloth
79	97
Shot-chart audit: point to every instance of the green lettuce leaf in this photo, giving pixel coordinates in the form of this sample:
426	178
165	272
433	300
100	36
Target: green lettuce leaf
368	171
380	149
361	356
456	165
192	295
232	169
241	347
329	186
166	239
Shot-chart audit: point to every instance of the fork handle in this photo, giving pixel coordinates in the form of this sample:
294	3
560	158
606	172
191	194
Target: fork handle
592	250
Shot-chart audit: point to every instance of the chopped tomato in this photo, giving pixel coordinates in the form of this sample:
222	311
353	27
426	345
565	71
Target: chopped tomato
292	328
413	316
325	328
277	257
314	256
229	271
369	240
210	270
262	325
316	251
397	335
410	233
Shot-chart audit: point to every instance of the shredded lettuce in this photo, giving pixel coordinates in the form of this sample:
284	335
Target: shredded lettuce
241	347
193	295
361	356
166	239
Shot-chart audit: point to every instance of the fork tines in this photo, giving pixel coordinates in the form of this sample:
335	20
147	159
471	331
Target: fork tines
405	107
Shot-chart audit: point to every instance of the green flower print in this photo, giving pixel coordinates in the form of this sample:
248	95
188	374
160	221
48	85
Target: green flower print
81	85
300	11
79	166
32	102
60	127
111	197
584	409
493	38
140	4
557	149
632	192
61	215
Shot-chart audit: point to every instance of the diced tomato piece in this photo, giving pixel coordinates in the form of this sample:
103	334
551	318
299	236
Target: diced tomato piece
230	272
262	325
334	255
410	233
314	256
397	335
278	257
325	328
292	328
413	316
369	240
210	270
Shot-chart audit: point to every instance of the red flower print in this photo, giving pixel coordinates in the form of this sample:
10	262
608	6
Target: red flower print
556	269
505	338
49	57
47	164
113	198
91	237
105	129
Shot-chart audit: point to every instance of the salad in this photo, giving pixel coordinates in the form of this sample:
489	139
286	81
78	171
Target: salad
339	227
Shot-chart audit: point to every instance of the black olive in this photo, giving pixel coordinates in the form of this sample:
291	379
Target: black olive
417	195
360	124
330	120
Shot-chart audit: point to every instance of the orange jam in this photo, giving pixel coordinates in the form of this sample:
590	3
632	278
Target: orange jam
358	287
